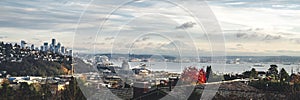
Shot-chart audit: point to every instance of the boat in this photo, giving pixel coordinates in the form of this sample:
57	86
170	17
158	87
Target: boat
257	65
287	63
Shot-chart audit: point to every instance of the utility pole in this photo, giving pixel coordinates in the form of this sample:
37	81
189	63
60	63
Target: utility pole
72	69
72	66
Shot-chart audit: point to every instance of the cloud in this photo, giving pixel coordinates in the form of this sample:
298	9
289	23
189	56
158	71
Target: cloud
258	29
142	39
236	3
3	37
150	43
145	38
254	15
295	40
38	16
288	51
186	25
176	44
102	43
239	46
180	36
256	34
82	49
259	23
247	35
109	38
241	35
271	37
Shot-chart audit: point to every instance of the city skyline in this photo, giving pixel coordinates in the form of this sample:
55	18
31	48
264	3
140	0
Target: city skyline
45	46
263	28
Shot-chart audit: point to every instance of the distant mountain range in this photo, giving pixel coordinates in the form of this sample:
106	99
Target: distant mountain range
139	56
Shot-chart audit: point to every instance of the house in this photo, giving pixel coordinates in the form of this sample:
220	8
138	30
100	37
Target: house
261	74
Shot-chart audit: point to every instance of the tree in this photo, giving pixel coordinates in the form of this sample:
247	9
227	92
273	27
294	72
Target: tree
72	91
190	74
295	78
193	75
16	45
209	72
27	91
246	74
283	75
253	73
201	76
45	91
273	72
6	92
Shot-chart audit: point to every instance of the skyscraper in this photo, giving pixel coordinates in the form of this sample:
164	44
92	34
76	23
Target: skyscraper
70	53
45	46
62	50
23	44
42	48
53	42
51	48
57	47
32	47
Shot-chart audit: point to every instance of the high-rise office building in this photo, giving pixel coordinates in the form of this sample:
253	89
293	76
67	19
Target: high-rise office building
51	48
53	42
57	47
32	47
42	48
70	52
36	49
23	44
45	46
62	50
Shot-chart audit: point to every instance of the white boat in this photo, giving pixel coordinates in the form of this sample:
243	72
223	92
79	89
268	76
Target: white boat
257	66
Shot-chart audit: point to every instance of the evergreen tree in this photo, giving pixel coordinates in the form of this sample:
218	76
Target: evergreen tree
284	76
209	72
253	73
273	72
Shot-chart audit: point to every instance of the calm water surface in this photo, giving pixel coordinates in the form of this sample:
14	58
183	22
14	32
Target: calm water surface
217	68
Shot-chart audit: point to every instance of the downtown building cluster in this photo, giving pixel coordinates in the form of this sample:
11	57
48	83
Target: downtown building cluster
47	52
46	47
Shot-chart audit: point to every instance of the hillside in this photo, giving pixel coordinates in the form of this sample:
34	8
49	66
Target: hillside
81	67
34	67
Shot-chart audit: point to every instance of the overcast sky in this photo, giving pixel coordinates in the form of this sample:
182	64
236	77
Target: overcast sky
250	27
